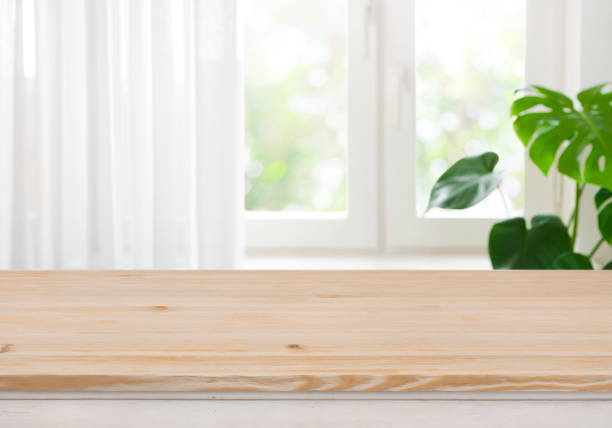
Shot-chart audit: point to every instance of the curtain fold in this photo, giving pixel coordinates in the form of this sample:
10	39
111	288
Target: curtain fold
120	134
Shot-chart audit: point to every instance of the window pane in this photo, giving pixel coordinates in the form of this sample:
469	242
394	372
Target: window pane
295	95
469	59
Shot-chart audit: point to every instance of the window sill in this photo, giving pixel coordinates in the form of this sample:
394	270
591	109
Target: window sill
296	259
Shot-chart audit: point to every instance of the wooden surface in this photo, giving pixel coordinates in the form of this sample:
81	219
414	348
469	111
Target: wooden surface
306	331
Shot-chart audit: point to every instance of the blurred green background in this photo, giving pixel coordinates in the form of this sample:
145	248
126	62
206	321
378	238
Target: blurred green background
295	95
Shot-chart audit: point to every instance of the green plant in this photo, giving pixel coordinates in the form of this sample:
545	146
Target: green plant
550	126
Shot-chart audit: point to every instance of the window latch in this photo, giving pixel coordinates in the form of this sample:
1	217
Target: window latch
401	86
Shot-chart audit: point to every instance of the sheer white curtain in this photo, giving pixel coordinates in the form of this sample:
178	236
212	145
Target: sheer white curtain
120	134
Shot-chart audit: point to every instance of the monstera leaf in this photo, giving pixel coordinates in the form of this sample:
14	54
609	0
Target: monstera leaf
603	202
544	119
513	246
572	261
466	182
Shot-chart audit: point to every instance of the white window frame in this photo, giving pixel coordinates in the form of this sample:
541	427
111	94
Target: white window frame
355	228
381	210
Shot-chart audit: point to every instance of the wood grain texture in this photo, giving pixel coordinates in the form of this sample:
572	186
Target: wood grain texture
306	331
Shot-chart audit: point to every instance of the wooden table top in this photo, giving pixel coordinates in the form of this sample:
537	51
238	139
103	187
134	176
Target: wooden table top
305	331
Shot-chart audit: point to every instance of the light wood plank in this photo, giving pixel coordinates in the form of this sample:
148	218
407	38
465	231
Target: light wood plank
306	331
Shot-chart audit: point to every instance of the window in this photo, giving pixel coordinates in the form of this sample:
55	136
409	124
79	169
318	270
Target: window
312	147
423	89
295	105
468	61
